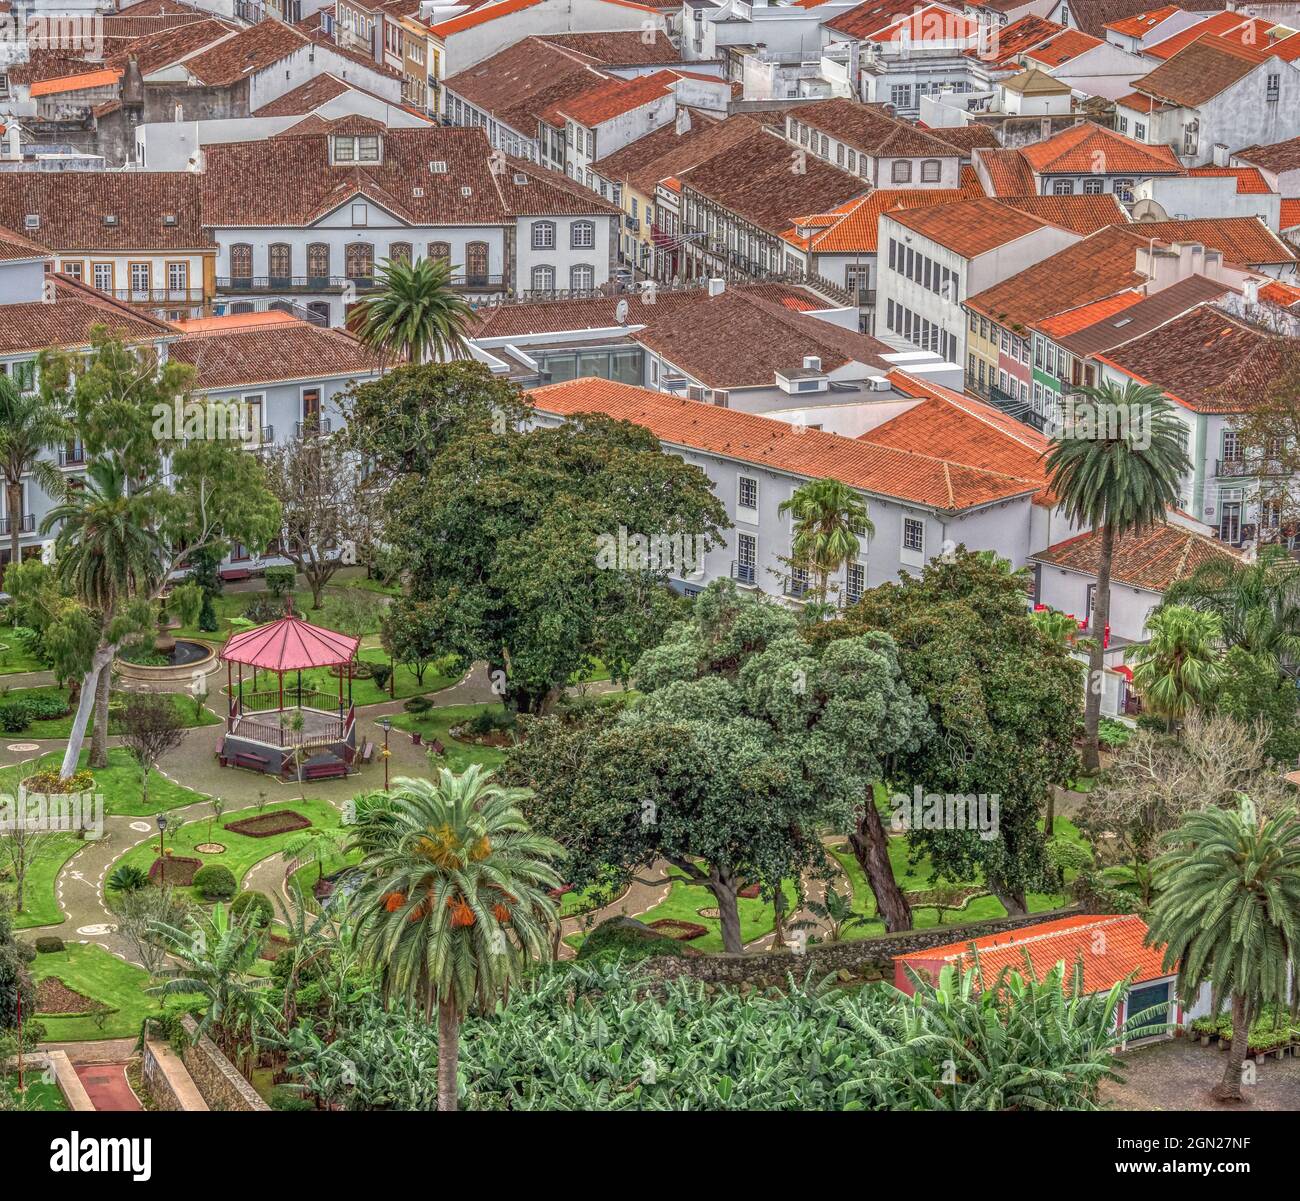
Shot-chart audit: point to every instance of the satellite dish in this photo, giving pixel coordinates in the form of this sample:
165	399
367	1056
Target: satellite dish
620	312
1149	210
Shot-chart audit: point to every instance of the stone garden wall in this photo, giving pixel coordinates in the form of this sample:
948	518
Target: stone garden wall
218	1081
168	1082
864	958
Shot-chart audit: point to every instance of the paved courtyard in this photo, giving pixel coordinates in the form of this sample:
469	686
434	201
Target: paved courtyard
1180	1074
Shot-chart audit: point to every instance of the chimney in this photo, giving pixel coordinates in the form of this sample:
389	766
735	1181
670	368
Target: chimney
812	362
717	285
1250	289
14	139
1220	154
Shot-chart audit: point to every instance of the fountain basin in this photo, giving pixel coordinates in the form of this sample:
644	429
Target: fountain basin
185	658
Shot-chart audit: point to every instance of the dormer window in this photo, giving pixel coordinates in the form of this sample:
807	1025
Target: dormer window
350	148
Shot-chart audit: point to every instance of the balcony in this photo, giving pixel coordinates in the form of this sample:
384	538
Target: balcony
337	283
26	524
632	223
1239	467
72	456
159	296
312	427
743	573
796	586
261	436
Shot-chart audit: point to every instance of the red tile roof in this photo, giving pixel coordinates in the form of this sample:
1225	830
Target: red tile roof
103	78
1206	360
1276	156
1015	39
242	355
1219	22
1152	558
251	50
867	18
969	227
1200	72
1078	150
15	247
665	152
1080	214
1142	23
67	322
1279	293
1072	320
778	445
1246	241
1111	949
930	23
1063	47
870	129
1008	172
479	16
1290	217
1250	182
611	98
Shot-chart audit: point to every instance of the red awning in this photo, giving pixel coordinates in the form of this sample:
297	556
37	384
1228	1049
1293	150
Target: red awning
289	644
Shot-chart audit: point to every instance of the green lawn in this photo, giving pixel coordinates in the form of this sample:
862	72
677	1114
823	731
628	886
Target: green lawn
119	783
437	723
13	657
231	604
95	973
61	727
38	1095
241	852
40	905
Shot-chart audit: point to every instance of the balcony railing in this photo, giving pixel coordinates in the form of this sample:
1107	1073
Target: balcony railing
337	283
174	296
261	436
72	456
743	573
1239	467
796	586
312	426
26	524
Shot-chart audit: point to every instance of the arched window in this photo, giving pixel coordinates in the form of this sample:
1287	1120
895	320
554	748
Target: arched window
399	251
543	235
543	279
476	264
280	256
582	235
318	260
582	277
360	261
439	250
241	261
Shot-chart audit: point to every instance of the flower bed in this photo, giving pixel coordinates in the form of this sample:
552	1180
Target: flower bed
268	824
55	998
750	891
178	869
680	931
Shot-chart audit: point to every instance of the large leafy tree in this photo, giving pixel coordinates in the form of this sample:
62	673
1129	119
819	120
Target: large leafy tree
745	746
1228	912
500	539
1115	468
1177	668
454	901
1004	702
416	314
30	424
829	519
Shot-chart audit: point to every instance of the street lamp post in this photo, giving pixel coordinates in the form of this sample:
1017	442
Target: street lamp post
162	827
386	725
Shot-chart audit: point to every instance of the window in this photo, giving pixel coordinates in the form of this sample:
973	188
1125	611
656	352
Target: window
913	535
930	170
141	277
241	261
439	250
1063	187
399	252
900	95
582	234
359	260
280	257
1273	88
1093	187
543	279
1123	125
368	148
747	493
582	277
318	260
1139	131
855	583
543	235
360	214
476	263
178	277
1124	189
744	568
901	171
102	276
72	270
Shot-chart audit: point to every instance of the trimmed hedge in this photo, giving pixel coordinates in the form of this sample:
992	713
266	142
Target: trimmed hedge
252	899
215	882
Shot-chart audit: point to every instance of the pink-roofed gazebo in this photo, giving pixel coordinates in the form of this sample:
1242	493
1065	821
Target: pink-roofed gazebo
321	729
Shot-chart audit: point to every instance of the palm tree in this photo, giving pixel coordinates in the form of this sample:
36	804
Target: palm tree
29	424
1177	669
315	844
1258	603
829	516
1228	911
454	898
1115	468
416	314
107	554
1057	627
216	954
311	936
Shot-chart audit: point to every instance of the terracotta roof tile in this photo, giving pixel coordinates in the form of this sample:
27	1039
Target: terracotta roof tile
1111	329
1290	217
250	50
969	227
1144	22
1152	558
618	48
1092	15
930	23
1078	150
1008	173
1066	940
610	98
1276	156
15	246
1249	180
1200	71
1080	214
67	322
73	205
1246	241
967	137
82	81
1063	47
1016	39
1206	359
869	129
171	45
869	17
226	357
1276	292
763	441
306	96
665	152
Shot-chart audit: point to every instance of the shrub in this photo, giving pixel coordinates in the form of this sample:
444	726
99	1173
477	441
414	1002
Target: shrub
1112	733
1068	856
380	673
263	609
288	1101
280	581
418	704
127	878
48	781
257	901
48	944
215	882
15	716
627	938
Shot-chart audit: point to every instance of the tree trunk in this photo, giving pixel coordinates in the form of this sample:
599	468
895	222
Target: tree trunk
99	740
1097	622
1013	902
102	658
14	500
1049	812
870	846
448	1057
1229	1088
723	887
778	916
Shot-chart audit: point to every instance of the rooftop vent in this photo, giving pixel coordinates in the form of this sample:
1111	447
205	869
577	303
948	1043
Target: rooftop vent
812	362
110	218
467	191
417	191
169	218
438	167
521	178
32	221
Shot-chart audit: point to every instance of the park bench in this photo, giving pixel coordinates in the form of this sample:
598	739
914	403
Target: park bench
248	759
324	771
230	574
